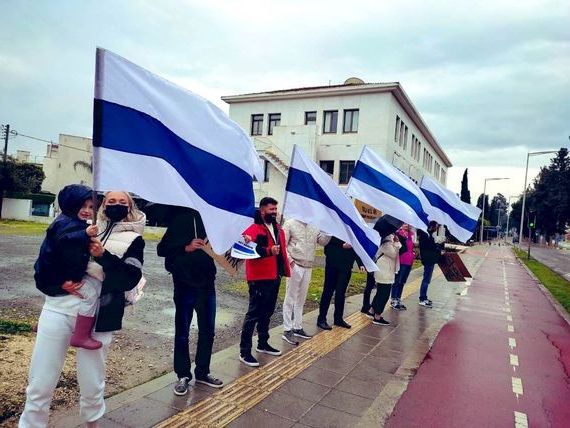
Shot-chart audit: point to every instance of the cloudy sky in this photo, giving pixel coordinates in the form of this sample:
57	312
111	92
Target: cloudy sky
491	78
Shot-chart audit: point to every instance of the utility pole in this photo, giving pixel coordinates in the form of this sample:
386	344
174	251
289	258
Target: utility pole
6	130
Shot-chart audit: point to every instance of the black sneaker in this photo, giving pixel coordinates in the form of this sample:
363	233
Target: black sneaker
324	325
342	323
210	381
402	307
301	333
249	360
267	349
380	321
288	337
426	303
181	387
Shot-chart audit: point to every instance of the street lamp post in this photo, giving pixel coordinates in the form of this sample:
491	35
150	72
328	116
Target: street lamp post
483	209
509	215
528	155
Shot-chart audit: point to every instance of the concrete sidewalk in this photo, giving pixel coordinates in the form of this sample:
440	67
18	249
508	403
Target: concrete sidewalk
338	378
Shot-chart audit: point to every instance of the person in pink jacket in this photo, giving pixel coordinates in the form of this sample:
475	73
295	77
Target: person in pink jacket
406	236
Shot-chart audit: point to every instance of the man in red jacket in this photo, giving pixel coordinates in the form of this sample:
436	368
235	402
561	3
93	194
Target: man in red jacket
263	278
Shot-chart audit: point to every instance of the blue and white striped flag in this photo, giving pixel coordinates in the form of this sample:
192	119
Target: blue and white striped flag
314	198
381	185
170	146
459	217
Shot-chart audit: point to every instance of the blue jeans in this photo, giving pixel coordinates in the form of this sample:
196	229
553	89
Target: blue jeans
203	301
400	281
428	272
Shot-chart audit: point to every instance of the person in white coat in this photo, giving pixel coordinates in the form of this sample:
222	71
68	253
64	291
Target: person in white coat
388	263
302	240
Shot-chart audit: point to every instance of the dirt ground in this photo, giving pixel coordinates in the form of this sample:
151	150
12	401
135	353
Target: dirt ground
141	351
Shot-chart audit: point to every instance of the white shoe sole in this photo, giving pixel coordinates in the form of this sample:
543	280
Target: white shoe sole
211	385
263	351
180	394
286	339
301	336
247	363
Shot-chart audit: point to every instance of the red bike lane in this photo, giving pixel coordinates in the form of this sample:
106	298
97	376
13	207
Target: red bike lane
502	361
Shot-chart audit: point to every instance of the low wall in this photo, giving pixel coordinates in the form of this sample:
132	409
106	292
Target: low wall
16	209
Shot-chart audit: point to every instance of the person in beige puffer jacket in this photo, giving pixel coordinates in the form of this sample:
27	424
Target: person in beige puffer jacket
302	240
388	264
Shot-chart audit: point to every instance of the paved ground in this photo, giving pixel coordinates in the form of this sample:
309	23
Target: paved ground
340	388
503	359
555	259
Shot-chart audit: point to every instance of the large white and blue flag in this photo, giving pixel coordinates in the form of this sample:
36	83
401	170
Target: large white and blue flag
313	197
381	185
171	146
447	208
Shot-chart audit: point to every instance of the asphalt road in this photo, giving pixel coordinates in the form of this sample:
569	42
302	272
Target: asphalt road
557	260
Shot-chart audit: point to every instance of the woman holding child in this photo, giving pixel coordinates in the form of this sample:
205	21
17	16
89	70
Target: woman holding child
64	274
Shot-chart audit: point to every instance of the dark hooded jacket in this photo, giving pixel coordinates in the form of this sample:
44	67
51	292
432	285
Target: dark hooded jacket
64	253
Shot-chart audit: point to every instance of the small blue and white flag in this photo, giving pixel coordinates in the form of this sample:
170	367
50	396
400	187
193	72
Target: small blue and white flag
381	185
313	197
459	217
170	146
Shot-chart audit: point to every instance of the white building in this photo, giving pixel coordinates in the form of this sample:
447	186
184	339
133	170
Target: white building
332	124
68	162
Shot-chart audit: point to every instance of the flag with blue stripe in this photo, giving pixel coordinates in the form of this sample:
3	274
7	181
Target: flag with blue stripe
447	208
313	197
171	146
381	185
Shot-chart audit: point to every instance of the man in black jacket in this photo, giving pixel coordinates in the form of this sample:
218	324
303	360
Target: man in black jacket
430	253
339	259
193	273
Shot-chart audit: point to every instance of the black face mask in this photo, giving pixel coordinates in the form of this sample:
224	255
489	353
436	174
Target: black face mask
116	212
270	218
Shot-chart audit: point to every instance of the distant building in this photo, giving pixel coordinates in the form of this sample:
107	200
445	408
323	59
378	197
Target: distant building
332	124
68	162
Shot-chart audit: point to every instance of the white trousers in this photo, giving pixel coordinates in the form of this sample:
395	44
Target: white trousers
295	296
50	349
90	291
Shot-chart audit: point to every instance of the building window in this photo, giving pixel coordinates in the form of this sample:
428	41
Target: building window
346	168
327	166
310	117
401	136
397	129
405	145
436	170
274	120
265	172
329	124
256	124
350	124
443	176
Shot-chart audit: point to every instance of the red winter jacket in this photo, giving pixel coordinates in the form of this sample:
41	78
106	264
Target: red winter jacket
265	267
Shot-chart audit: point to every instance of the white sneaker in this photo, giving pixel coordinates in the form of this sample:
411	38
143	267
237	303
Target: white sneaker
425	303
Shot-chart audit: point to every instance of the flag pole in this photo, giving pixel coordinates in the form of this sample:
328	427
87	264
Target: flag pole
287	185
96	126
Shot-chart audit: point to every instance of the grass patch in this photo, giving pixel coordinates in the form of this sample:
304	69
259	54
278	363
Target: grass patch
19	227
356	286
14	327
150	236
556	284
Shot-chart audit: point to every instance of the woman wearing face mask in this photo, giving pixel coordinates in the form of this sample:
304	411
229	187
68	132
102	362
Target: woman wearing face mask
117	263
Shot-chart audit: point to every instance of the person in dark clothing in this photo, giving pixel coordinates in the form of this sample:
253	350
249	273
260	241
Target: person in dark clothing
64	255
339	259
430	253
263	278
193	273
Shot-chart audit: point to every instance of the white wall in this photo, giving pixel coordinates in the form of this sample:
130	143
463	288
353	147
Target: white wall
60	170
16	209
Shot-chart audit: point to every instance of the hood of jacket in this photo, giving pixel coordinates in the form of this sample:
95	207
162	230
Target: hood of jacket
137	225
72	197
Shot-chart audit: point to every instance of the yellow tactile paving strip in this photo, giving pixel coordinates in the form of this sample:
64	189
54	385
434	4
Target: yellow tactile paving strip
244	393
